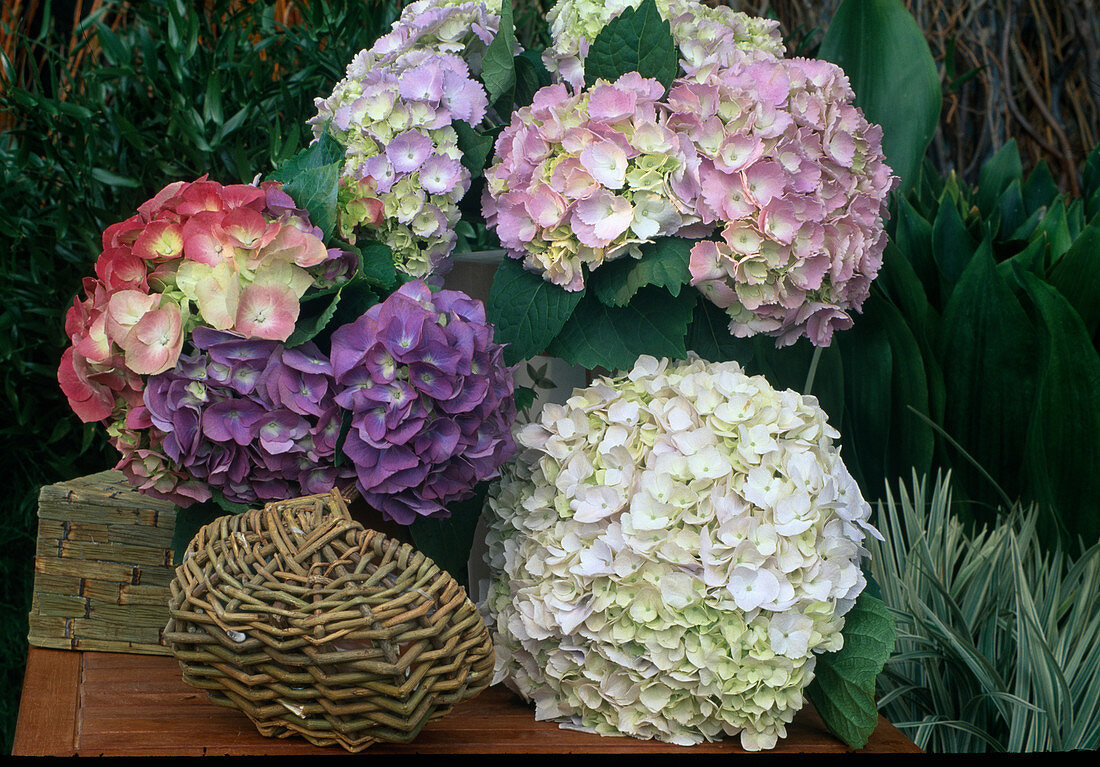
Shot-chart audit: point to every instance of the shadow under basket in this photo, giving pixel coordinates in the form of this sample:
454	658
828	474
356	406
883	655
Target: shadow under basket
313	625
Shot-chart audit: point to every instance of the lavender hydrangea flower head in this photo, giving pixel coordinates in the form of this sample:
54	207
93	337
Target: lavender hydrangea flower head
403	176
707	37
460	27
430	397
795	176
584	179
248	417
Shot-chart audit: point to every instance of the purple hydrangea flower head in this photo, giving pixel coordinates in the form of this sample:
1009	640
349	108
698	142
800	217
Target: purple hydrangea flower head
247	417
430	397
794	176
584	179
394	110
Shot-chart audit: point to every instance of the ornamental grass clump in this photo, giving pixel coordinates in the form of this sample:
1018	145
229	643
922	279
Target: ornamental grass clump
705	37
430	400
393	113
582	180
669	552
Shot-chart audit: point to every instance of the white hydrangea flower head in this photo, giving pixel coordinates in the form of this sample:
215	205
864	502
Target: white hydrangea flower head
708	38
668	553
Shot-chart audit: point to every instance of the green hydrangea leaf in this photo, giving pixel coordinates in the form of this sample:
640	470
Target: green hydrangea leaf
498	70
664	264
307	327
843	690
526	310
376	266
325	151
710	338
637	40
598	335
315	190
476	147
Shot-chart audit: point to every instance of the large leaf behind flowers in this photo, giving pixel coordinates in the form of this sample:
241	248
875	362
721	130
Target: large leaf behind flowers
843	690
882	50
526	310
637	40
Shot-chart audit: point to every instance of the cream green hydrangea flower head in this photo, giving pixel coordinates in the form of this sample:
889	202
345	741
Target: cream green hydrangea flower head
707	37
669	551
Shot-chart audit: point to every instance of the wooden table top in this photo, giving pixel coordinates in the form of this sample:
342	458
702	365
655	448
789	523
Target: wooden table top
92	703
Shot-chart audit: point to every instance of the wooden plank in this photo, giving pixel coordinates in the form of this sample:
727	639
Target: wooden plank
47	722
139	706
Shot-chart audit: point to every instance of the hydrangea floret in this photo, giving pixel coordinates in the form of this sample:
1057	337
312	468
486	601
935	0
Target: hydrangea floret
795	176
393	112
250	418
460	27
706	37
668	552
430	400
236	258
584	179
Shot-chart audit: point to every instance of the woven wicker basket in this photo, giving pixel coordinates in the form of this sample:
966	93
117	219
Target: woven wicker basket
315	626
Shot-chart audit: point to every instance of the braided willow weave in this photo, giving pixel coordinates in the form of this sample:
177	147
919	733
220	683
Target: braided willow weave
312	625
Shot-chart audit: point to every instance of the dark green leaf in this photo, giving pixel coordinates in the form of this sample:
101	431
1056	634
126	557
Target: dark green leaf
316	189
188	523
598	335
1040	189
325	151
664	263
988	352
1054	228
843	690
525	397
307	328
884	53
448	542
1011	208
105	176
997	173
531	75
710	338
1063	450
113	48
868	402
1077	277
952	245
498	70
376	265
476	147
1090	174
637	40
914	239
527	312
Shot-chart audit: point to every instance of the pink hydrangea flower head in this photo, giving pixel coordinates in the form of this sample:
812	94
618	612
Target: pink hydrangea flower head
583	179
794	177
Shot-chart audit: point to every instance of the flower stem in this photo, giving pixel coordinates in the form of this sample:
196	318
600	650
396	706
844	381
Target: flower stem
813	371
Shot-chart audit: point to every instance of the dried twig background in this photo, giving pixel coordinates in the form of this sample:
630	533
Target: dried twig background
1023	69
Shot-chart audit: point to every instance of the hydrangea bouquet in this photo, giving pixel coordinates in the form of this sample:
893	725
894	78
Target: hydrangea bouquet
196	344
706	187
675	552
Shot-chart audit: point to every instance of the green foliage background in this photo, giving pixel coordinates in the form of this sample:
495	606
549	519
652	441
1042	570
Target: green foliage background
180	89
